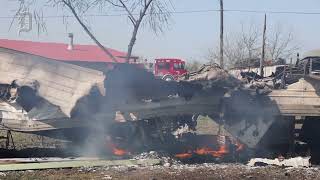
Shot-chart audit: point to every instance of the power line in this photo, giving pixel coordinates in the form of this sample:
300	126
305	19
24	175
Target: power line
274	12
186	12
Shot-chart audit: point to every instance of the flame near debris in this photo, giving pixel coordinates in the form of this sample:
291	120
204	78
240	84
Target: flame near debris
224	148
222	151
114	149
119	152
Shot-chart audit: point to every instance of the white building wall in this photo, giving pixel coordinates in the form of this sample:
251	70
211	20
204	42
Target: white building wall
267	71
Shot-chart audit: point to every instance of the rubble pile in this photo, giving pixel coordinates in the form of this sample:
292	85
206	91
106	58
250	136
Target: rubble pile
211	75
263	85
165	160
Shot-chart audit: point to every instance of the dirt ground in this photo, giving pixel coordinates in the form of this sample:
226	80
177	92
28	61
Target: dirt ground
204	171
25	140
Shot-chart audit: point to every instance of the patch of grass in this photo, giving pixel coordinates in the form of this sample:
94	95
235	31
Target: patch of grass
26	140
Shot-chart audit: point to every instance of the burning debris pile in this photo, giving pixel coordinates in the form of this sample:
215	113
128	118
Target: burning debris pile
54	98
220	147
68	97
244	110
230	99
191	148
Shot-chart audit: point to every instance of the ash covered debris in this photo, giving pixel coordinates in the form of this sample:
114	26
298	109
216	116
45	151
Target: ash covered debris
244	111
73	99
9	92
164	158
211	75
78	93
297	162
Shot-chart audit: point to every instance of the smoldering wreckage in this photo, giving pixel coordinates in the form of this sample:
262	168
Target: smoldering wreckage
131	111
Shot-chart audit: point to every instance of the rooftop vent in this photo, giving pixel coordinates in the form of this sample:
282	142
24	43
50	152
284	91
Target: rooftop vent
70	46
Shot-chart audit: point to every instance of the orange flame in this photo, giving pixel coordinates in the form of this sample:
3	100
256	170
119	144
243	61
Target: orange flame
223	150
184	155
115	150
119	152
204	151
208	151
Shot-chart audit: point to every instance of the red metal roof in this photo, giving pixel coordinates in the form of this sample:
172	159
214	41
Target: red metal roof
59	51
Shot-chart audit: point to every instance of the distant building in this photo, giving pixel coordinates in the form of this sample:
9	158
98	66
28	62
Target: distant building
267	70
84	55
253	65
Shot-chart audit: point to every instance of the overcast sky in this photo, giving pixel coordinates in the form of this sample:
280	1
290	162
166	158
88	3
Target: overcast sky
190	34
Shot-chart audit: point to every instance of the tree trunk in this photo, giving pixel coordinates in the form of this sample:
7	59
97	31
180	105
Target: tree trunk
132	41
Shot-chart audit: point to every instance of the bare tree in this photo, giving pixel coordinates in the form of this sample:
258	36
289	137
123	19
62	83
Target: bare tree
212	55
281	44
154	13
249	39
25	16
77	7
244	48
234	50
80	6
193	66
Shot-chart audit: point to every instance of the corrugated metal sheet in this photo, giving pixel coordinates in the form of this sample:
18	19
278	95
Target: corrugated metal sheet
59	83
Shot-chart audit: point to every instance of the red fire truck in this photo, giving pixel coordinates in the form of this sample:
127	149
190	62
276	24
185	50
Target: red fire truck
167	68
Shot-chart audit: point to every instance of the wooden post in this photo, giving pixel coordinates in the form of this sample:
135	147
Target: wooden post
310	67
221	34
263	46
290	66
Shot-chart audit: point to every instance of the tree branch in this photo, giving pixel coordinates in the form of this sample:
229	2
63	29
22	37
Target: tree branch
136	26
69	5
114	4
133	20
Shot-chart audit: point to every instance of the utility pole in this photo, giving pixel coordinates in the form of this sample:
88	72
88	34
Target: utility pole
221	133
221	34
263	56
